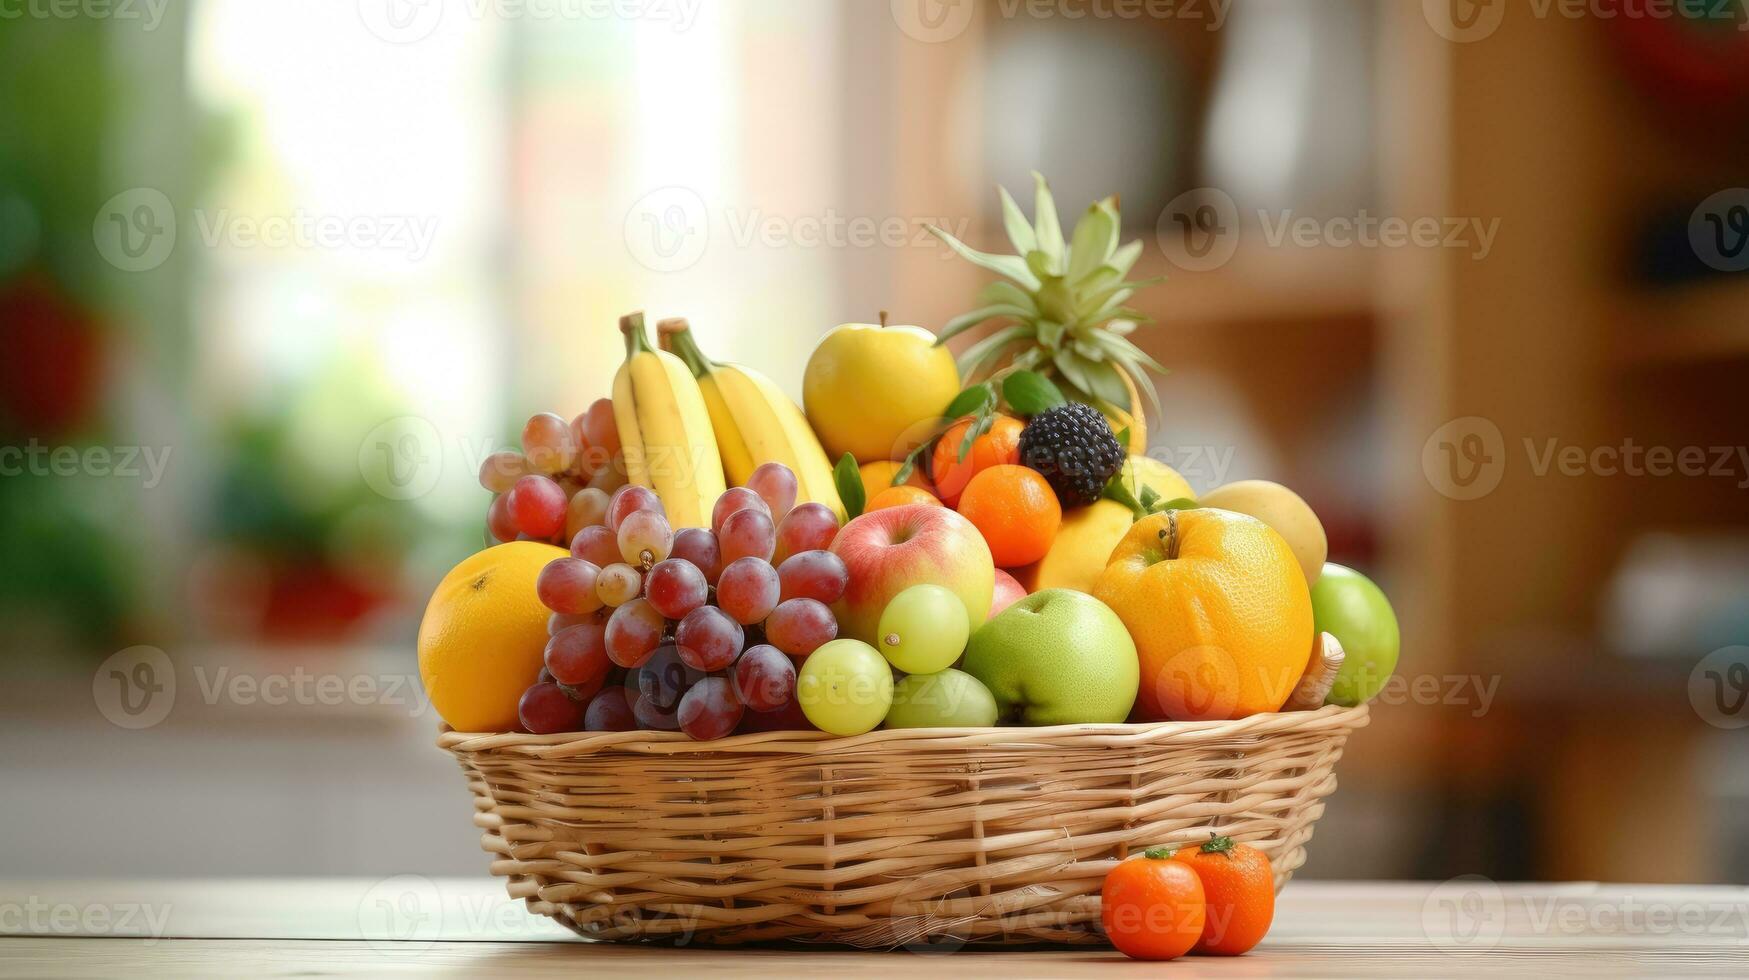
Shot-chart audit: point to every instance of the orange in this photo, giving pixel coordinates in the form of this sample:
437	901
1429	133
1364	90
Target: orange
1152	907
1219	609
878	476
899	497
483	637
1016	511
1239	889
998	447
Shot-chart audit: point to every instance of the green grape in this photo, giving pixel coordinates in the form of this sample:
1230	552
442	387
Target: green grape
924	629
845	688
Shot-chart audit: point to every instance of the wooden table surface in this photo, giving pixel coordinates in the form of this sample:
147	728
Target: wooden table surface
410	924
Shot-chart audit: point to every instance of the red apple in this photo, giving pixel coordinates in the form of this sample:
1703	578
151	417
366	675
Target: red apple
1008	592
888	551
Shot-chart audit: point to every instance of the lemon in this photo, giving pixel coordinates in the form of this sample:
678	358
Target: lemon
483	636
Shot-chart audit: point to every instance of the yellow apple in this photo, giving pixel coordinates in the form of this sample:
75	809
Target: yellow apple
868	386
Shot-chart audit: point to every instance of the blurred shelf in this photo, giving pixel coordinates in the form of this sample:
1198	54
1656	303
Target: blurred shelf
1692	325
1263	285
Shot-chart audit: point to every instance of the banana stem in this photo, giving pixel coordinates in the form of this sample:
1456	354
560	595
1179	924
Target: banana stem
676	338
632	325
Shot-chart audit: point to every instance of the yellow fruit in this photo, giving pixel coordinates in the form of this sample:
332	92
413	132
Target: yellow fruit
1081	550
1282	509
483	635
754	421
665	429
867	386
1145	471
1219	610
878	476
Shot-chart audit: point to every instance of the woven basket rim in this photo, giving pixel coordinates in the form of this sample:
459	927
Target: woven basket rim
571	744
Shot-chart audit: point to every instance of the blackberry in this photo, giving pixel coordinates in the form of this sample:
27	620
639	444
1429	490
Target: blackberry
1075	451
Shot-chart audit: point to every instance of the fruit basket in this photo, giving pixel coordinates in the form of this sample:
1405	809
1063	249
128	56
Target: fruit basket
994	836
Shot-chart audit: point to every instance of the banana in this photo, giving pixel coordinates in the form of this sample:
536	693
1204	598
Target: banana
665	429
755	421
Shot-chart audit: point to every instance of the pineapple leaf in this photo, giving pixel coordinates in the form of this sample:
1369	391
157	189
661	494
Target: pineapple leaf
1003	292
1096	282
1091	351
1050	333
1019	231
1044	219
1039	264
1125	352
1121	328
1094	239
1012	266
984	349
1104	383
1124	259
1143	383
966	321
1071	371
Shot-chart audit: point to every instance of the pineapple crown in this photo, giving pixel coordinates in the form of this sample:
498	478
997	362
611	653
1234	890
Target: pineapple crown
1067	301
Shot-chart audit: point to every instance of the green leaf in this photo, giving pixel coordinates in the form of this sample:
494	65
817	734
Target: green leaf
849	480
1012	266
1044	222
1116	490
1001	292
1094	238
1150	496
966	321
1123	437
1103	382
969	401
1050	333
1041	266
986	419
904	472
991	345
1091	351
1019	231
1124	352
1177	503
1124	259
1029	393
1095	283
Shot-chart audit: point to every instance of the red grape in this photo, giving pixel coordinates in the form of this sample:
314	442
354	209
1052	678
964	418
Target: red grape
800	626
596	544
578	655
609	711
633	632
748	590
588	507
600	428
546	441
676	588
709	710
499	523
581	693
558	622
733	501
653	717
500	471
544	677
585	459
699	546
775	483
708	639
628	500
788	718
619	584
747	532
645	538
567	585
809	527
765	679
665	677
545	709
610	475
814	575
538	505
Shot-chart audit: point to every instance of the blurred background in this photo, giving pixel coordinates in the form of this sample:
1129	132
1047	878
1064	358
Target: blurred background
276	276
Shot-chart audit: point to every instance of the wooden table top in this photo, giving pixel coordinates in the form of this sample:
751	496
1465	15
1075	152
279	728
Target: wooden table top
412	924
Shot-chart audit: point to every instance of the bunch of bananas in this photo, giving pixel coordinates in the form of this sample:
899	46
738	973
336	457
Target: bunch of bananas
686	422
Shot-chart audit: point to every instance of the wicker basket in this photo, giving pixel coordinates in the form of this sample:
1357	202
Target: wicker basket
932	836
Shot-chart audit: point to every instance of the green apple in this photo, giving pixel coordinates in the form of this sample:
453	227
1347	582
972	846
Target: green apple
1349	606
946	699
1057	657
845	687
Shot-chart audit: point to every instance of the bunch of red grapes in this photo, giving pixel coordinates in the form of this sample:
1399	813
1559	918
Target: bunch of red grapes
560	482
696	629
